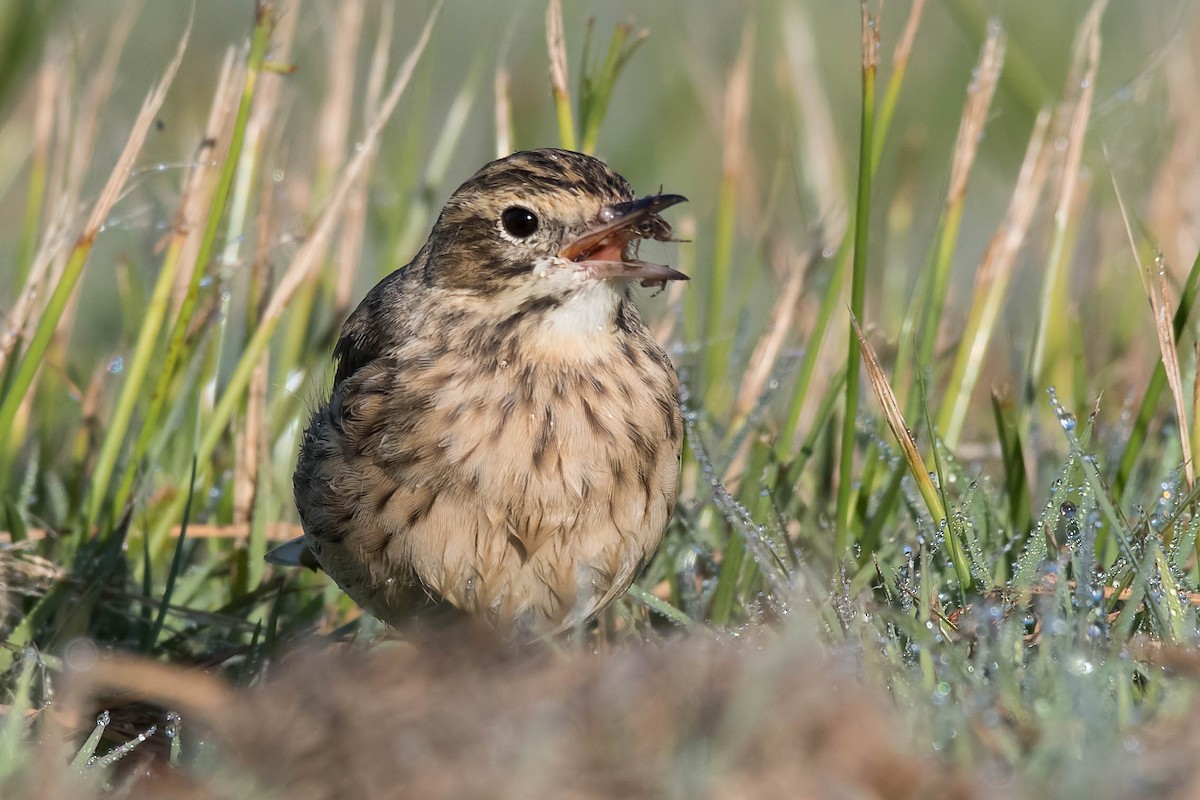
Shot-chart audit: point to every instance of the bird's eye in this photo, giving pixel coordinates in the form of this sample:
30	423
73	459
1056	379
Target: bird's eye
519	222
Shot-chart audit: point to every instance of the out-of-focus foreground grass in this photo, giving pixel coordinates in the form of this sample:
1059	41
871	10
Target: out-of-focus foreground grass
938	353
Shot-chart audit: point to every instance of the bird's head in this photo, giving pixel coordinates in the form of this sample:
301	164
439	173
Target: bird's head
546	225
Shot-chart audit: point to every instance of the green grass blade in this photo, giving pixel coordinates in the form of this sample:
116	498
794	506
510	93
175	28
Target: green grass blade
596	85
858	287
1016	483
661	607
176	567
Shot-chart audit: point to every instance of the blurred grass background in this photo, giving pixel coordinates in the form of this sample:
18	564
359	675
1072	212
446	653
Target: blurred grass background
1015	586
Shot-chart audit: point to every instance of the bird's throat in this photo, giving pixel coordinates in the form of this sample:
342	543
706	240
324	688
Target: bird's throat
581	327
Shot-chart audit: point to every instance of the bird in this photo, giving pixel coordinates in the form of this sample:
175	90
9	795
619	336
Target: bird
503	434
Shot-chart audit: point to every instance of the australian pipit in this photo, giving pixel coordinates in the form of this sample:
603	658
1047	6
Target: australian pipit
503	434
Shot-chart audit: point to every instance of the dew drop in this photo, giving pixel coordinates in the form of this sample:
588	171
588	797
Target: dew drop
174	721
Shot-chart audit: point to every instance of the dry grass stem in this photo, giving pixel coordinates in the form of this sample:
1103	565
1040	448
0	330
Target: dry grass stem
909	35
556	45
85	129
275	532
764	358
46	88
975	114
557	48
250	442
664	330
251	438
780	322
333	131
133	146
895	422
503	112
870	37
202	175
821	146
1158	294
1175	199
1076	107
1081	88
1164	313
1195	404
996	267
994	276
736	111
86	125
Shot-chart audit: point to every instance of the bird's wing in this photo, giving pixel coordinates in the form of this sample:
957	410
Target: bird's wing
361	343
374	327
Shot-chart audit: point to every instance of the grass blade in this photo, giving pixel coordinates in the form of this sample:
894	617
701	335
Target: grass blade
858	284
912	456
176	567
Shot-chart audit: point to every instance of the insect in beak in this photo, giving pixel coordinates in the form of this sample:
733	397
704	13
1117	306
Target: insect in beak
602	250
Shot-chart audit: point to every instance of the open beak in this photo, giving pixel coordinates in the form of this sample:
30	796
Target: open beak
602	250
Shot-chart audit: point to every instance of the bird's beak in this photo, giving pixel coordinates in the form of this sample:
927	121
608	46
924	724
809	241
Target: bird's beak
602	250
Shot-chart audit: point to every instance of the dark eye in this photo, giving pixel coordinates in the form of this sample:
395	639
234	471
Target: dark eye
520	222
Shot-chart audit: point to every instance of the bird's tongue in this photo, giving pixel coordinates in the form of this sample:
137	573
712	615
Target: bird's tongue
608	260
612	249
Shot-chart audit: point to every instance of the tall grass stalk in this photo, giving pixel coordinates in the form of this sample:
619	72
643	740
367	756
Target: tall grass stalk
858	285
841	259
1050	346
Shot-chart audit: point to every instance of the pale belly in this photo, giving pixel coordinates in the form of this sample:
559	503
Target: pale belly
531	499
